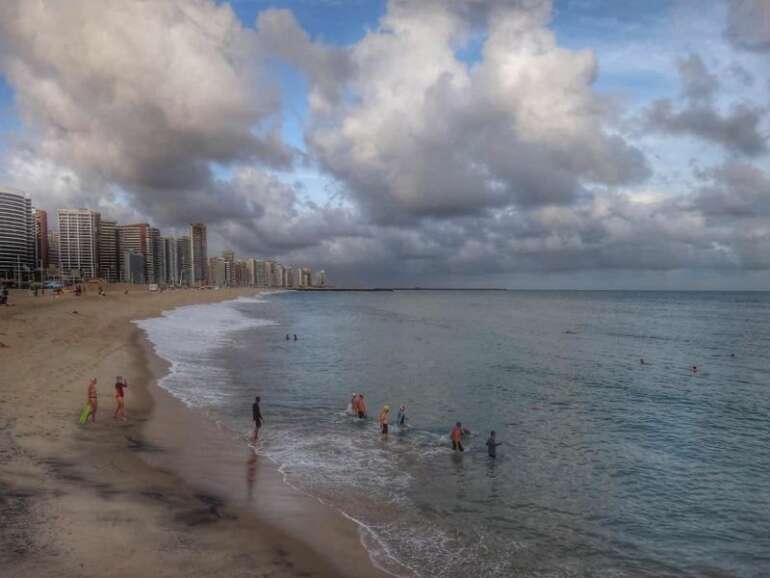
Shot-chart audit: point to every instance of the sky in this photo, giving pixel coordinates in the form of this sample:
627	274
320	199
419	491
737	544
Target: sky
565	144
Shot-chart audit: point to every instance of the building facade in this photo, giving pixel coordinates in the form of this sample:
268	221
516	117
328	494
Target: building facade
184	260
41	239
17	236
53	251
79	243
109	251
198	254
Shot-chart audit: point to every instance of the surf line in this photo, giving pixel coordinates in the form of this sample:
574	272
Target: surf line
362	526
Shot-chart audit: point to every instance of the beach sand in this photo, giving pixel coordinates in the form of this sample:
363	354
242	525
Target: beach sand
165	493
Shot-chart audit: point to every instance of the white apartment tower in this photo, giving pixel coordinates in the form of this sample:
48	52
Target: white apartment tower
79	243
17	235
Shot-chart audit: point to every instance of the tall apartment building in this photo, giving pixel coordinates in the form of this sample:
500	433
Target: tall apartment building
133	239
53	250
277	275
171	274
184	260
217	268
306	277
79	243
320	280
198	254
109	251
262	274
155	264
17	235
41	238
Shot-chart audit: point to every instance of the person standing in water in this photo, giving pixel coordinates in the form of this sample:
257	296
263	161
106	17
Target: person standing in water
361	406
256	414
457	437
120	404
401	417
384	419
92	398
492	444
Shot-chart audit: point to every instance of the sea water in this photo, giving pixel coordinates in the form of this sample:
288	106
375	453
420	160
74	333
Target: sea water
610	467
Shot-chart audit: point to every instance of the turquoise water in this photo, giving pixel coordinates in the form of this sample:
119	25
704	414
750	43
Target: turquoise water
610	467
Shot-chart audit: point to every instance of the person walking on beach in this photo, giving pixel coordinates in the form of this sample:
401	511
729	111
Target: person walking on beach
492	444
384	419
456	436
120	404
401	417
256	414
92	398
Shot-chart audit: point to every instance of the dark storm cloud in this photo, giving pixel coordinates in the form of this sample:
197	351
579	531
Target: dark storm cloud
748	24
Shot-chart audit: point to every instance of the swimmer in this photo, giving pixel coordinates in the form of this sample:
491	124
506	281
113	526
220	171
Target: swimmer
695	369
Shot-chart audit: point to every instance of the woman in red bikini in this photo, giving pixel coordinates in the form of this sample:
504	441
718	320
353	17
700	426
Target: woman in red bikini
120	405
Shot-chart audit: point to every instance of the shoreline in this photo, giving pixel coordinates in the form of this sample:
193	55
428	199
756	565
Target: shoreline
112	497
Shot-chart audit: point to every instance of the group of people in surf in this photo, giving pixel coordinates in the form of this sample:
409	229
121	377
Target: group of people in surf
357	408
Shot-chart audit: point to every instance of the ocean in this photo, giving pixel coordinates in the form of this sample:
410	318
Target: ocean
610	467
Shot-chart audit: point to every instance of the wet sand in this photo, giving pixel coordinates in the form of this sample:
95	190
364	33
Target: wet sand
166	493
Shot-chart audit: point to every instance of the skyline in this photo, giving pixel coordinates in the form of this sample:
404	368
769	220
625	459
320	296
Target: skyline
525	144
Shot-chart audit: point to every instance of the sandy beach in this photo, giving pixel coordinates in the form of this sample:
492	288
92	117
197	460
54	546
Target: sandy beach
165	493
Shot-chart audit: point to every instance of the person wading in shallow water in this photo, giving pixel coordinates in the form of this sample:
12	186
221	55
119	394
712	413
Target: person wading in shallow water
256	414
456	435
492	444
384	419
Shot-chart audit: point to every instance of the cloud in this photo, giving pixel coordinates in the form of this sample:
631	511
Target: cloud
698	84
736	131
735	190
748	24
424	134
145	95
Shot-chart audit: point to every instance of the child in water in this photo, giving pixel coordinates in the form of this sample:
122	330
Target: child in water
492	444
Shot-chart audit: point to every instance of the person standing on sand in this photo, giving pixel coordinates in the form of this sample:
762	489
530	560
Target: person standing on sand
384	419
120	404
256	414
92	398
456	435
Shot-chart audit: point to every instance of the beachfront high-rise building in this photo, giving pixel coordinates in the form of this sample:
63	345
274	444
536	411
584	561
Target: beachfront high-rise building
184	261
17	235
132	268
198	254
306	278
154	256
277	275
53	250
109	251
320	279
217	272
41	238
79	243
134	239
169	250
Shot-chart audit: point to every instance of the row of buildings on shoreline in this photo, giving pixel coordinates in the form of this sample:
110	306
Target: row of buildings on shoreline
88	246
